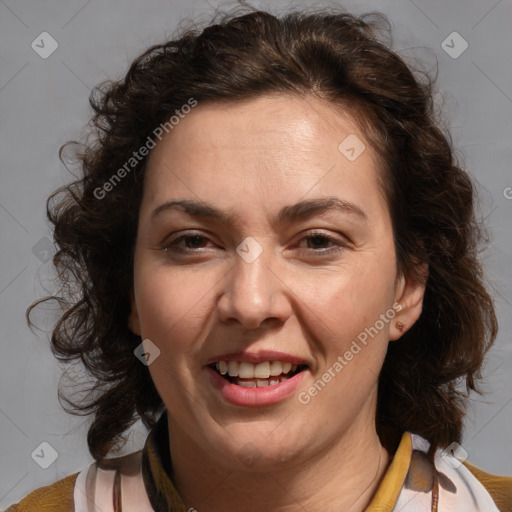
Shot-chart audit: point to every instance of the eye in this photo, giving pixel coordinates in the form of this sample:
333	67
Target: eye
196	243
318	240
192	242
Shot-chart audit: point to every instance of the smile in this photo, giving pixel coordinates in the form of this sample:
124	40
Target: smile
249	375
257	383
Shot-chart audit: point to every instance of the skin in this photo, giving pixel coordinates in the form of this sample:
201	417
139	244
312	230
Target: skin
251	159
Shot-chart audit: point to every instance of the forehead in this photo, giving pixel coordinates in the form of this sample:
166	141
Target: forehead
304	124
278	148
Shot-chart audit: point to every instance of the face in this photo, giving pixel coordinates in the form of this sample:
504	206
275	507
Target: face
285	271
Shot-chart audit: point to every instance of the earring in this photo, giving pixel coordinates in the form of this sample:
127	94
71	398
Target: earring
400	326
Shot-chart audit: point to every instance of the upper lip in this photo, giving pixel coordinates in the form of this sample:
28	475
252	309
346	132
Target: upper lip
256	357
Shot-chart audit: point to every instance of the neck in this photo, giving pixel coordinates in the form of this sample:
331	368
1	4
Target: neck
343	477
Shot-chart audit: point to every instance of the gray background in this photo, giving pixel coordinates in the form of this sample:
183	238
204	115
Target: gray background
44	103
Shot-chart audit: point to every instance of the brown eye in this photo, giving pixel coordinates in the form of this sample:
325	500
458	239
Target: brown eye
186	243
195	241
318	240
318	243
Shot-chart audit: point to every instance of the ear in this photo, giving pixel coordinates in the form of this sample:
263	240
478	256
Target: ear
133	318
409	295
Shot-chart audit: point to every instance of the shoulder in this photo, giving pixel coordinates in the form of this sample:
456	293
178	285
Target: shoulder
99	483
499	487
57	497
460	485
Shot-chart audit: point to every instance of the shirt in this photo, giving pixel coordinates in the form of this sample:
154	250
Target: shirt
143	482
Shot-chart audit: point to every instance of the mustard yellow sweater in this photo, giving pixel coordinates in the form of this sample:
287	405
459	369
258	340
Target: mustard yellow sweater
58	497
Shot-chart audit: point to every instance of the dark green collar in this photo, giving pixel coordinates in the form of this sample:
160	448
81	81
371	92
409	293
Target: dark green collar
157	470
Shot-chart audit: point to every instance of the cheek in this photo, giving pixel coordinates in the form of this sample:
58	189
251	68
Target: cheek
348	300
353	351
171	307
170	303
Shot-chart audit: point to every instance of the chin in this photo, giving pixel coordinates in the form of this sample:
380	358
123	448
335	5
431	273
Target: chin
258	448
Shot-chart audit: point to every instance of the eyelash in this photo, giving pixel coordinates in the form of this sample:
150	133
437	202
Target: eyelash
339	245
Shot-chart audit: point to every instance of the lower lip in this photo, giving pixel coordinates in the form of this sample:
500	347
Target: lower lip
240	395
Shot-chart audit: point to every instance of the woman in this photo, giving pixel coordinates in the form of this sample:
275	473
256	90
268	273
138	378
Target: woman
276	266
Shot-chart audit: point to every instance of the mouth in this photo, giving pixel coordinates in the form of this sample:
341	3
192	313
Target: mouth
260	375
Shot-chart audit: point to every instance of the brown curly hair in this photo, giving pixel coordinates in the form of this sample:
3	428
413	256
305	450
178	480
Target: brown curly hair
337	57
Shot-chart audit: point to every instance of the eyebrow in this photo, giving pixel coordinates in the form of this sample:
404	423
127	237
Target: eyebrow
296	212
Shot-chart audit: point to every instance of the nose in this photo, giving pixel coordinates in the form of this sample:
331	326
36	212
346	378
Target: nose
254	293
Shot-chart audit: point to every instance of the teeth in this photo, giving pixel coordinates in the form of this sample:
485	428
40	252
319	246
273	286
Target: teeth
260	383
247	383
265	370
233	369
246	370
262	370
276	368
